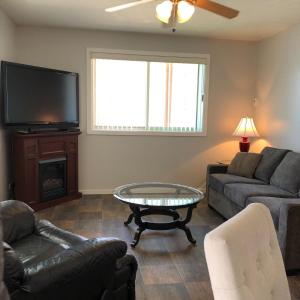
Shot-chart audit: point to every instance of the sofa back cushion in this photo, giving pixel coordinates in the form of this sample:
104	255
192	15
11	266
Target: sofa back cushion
286	176
271	158
244	164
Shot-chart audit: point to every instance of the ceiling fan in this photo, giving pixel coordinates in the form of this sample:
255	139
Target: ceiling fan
172	11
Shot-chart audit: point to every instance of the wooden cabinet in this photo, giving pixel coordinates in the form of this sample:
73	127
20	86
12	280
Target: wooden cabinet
29	150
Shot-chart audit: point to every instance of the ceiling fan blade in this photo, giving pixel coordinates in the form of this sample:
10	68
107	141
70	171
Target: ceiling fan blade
127	5
216	8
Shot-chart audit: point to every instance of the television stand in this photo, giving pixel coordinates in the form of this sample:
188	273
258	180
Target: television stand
47	130
45	167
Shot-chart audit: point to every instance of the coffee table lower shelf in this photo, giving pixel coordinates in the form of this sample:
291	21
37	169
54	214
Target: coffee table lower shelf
178	222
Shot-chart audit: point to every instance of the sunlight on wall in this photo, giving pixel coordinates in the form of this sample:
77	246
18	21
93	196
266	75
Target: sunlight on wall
259	144
222	152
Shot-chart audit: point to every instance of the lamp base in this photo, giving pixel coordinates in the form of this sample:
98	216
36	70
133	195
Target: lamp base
244	145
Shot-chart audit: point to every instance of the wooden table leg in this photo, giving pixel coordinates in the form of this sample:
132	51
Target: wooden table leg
182	225
141	226
137	215
137	236
129	220
130	217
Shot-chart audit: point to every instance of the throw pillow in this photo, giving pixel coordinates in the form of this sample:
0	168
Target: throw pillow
286	176
244	164
271	158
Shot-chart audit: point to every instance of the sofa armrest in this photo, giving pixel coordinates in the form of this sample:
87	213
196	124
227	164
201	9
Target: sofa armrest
90	263
288	233
216	168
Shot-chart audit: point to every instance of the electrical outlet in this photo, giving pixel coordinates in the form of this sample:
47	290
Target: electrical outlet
11	190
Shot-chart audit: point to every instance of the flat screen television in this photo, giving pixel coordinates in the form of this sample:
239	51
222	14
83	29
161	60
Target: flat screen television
39	97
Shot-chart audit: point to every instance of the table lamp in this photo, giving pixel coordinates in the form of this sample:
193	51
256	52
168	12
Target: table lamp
245	129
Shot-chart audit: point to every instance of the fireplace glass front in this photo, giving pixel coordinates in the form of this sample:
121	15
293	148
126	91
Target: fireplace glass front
52	175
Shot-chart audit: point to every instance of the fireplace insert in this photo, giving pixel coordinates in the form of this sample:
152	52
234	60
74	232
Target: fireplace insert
53	178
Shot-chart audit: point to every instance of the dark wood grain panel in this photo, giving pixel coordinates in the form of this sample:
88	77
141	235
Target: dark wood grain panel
72	171
32	182
51	146
31	148
71	144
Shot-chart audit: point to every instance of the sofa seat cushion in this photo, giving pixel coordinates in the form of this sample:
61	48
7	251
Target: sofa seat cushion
274	204
218	181
35	248
271	158
240	192
286	176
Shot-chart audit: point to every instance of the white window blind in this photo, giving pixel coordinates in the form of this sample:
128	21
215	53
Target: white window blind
138	93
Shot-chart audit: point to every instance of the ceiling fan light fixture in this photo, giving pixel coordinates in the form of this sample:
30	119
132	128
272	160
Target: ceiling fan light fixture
185	11
164	11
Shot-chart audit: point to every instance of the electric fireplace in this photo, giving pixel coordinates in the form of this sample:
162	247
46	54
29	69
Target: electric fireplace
53	178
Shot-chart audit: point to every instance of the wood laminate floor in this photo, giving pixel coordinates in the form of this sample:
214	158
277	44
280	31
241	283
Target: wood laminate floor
169	266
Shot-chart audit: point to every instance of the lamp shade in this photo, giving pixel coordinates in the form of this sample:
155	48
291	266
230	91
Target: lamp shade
185	11
164	11
246	128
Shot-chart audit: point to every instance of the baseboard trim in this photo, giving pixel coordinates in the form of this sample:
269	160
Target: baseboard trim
202	188
97	192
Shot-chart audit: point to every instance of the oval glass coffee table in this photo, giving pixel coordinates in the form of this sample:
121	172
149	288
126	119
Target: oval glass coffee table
154	198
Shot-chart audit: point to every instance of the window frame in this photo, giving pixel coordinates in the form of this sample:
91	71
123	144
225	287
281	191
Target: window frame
111	53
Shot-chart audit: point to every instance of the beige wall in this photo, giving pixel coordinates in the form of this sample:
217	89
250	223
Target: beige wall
278	89
108	161
7	52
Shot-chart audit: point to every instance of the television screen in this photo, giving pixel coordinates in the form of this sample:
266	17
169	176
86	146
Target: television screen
39	96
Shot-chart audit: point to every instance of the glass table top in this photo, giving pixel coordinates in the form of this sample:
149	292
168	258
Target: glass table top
156	194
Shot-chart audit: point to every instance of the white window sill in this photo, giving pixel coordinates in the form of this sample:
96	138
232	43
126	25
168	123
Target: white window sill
144	133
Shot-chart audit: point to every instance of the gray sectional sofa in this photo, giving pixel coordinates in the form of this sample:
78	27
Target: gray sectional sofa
276	184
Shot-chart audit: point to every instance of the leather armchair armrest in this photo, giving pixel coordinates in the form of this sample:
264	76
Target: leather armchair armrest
62	237
127	260
288	233
91	262
125	274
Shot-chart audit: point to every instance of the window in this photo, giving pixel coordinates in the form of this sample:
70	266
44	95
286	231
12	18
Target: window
147	94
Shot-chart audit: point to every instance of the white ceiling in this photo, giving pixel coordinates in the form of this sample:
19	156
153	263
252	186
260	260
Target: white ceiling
258	19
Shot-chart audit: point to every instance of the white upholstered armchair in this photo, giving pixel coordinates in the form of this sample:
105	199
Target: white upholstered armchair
244	259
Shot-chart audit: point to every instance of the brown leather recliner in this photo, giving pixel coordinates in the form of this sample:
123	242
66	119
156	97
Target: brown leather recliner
42	261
